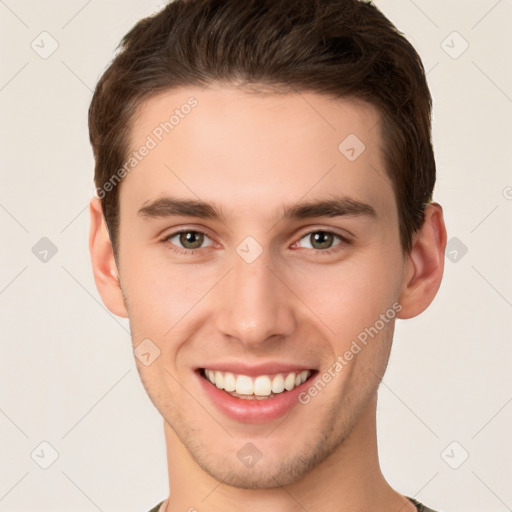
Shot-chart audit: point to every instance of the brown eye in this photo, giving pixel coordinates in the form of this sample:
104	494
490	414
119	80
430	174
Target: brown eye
187	239
193	238
322	240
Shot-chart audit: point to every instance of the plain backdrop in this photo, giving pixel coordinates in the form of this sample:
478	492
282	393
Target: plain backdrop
70	395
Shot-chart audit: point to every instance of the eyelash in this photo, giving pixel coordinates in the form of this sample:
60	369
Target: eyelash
189	252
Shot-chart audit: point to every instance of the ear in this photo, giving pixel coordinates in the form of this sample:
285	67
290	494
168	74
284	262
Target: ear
424	264
104	266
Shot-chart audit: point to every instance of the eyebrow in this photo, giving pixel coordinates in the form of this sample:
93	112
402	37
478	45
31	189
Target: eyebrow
335	207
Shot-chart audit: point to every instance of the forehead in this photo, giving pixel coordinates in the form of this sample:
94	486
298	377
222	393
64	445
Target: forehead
226	144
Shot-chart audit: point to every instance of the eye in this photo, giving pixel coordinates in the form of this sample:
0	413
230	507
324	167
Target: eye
323	241
187	240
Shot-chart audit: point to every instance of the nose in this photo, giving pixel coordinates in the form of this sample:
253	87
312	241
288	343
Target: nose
255	305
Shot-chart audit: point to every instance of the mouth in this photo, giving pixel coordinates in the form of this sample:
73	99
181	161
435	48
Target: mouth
260	387
256	398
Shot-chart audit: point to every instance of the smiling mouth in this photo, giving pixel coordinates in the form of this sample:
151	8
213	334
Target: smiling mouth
261	387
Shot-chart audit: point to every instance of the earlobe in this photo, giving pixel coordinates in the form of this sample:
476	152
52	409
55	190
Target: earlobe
104	266
425	264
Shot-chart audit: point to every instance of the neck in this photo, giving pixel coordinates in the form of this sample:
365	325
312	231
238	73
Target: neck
350	479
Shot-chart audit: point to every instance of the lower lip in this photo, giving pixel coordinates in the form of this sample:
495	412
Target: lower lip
253	411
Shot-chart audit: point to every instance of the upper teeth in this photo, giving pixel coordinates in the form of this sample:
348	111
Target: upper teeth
263	385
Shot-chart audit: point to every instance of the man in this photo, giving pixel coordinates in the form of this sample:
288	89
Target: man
263	214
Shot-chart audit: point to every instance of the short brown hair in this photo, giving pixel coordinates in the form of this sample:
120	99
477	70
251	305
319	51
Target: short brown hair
343	48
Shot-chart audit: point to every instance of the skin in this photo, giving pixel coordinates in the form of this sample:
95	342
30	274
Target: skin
253	155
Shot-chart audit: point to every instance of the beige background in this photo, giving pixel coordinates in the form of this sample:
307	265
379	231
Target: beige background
67	372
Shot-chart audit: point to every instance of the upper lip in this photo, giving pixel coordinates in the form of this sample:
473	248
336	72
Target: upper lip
253	370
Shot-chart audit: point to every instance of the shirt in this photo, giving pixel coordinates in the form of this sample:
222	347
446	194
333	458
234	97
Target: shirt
419	506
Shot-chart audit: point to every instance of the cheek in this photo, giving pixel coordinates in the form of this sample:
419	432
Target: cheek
161	295
351	296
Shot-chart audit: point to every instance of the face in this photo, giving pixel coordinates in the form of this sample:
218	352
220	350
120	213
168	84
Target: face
258	247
